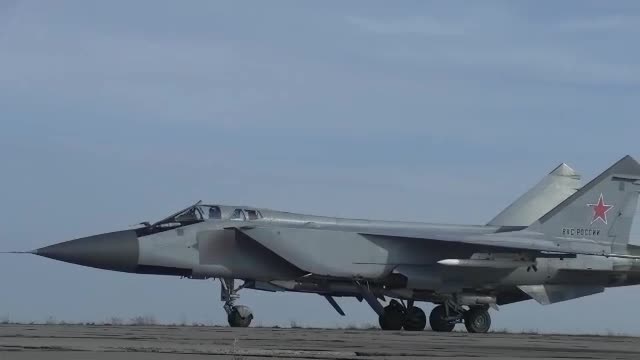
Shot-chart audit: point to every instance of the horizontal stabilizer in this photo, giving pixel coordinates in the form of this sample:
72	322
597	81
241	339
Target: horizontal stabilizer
550	294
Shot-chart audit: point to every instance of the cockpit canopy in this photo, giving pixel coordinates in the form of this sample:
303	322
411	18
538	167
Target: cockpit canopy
200	212
245	214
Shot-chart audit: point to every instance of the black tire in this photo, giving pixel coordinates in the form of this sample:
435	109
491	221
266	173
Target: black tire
240	316
415	320
393	317
477	320
438	322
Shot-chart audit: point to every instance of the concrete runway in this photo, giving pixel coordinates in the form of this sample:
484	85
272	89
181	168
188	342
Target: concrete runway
19	342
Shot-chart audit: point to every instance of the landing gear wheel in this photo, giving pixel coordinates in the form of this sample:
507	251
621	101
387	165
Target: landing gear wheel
415	320
438	320
237	315
477	320
240	316
393	317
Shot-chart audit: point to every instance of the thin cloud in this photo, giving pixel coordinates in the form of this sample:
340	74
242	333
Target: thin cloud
8	11
602	23
410	25
552	64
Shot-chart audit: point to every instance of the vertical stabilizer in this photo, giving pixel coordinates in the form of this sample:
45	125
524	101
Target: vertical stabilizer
601	211
554	188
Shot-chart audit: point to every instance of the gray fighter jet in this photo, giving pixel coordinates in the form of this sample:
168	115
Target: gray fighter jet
553	244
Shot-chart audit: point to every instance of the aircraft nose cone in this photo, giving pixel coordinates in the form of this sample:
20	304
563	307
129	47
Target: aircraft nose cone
117	251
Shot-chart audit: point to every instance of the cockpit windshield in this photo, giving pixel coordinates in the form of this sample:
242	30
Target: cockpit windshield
197	213
192	214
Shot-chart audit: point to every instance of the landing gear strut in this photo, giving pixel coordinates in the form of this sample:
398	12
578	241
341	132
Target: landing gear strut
397	316
444	317
237	315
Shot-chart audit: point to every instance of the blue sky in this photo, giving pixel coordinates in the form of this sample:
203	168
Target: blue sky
118	112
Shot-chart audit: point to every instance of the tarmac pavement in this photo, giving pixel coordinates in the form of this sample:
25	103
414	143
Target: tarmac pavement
18	342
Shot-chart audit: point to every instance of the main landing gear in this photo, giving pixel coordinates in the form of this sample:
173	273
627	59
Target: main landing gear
476	319
443	318
396	316
237	315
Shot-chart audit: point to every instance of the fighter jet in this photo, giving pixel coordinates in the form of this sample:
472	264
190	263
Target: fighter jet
555	243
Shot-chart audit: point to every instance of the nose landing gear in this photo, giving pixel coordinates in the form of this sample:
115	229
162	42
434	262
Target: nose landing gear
237	315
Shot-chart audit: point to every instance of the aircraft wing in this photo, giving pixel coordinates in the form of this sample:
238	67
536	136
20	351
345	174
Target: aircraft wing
343	253
512	241
481	237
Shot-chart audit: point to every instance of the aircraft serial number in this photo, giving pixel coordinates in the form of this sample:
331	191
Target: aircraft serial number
580	232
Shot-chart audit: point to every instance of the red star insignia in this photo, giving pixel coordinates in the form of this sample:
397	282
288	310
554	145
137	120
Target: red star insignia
600	210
